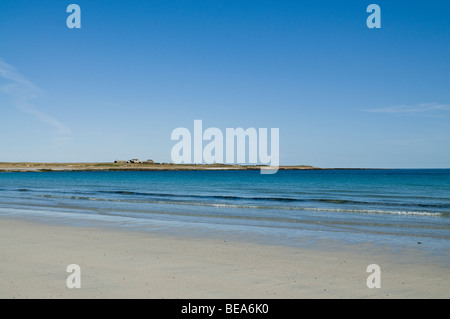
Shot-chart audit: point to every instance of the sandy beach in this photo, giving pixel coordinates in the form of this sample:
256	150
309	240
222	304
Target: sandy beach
117	263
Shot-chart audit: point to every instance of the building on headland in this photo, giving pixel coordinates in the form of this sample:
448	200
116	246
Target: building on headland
136	161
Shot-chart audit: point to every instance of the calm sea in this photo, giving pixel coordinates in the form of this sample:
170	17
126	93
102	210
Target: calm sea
382	206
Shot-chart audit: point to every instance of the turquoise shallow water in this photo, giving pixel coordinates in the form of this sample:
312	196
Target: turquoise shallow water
382	206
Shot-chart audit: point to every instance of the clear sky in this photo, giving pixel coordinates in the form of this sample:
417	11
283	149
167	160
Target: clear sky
341	94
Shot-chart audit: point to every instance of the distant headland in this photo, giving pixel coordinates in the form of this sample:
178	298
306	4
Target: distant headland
131	165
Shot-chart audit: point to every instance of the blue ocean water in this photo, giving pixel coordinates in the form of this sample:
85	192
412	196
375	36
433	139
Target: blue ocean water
396	206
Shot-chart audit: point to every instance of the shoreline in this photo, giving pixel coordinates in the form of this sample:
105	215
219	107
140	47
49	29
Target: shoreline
97	167
17	167
124	263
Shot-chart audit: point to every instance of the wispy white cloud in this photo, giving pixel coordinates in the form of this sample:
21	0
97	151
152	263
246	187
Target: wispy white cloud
418	108
23	92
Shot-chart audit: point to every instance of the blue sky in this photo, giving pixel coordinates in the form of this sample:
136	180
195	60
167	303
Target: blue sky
342	95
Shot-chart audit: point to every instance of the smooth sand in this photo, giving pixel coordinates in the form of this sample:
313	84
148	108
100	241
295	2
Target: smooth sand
130	264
